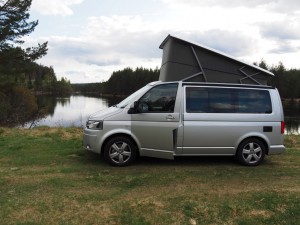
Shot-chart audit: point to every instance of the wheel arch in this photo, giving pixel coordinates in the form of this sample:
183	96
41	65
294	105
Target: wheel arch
258	137
123	134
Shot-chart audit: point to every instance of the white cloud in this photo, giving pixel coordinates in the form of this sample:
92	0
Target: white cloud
285	47
285	6
278	5
283	30
128	34
54	7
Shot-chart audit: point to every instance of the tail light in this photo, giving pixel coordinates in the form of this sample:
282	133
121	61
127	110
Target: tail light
282	127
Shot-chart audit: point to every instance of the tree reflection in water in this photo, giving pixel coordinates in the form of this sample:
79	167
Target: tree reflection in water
68	111
292	117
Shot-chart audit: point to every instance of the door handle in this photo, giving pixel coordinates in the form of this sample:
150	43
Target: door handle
170	117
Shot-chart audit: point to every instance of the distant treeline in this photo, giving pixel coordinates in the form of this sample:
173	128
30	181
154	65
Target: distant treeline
125	82
35	77
287	81
122	82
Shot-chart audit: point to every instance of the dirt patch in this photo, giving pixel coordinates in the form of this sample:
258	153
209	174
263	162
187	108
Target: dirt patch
261	213
63	211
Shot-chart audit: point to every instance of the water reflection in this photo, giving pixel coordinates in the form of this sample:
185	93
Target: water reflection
292	117
74	111
70	111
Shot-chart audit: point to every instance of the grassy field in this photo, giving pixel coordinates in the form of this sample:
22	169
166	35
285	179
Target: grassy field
46	178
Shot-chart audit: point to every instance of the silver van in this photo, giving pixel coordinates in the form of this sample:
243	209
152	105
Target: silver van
168	119
206	103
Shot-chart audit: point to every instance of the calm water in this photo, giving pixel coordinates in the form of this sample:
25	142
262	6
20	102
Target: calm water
70	111
74	111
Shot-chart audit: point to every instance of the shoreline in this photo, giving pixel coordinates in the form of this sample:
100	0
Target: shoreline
290	100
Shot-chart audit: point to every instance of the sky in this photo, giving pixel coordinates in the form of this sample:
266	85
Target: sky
89	39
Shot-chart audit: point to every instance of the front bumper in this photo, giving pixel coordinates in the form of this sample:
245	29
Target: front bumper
91	140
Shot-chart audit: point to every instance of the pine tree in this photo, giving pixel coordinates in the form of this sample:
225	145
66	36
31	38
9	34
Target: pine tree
14	25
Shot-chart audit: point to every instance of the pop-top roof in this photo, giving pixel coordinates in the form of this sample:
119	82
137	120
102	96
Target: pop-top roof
187	61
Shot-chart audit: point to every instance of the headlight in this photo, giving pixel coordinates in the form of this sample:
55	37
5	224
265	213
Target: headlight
94	125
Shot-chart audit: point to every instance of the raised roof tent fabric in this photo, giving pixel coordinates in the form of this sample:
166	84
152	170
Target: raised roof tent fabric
187	61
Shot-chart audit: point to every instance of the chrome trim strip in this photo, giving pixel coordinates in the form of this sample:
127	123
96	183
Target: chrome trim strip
204	154
207	147
156	150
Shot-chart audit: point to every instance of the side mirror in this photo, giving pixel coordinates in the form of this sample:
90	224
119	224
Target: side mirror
133	108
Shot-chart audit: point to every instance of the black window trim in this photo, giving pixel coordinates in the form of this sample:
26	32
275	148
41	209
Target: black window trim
227	85
234	87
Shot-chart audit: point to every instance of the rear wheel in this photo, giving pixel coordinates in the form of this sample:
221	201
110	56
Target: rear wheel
120	151
251	152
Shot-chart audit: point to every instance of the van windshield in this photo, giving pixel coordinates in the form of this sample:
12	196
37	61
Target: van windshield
129	99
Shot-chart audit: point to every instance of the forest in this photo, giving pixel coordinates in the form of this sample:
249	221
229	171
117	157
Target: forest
121	83
287	81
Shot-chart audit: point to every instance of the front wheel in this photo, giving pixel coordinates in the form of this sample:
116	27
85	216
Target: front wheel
251	152
120	151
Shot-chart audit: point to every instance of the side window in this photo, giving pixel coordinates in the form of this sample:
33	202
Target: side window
197	100
221	100
254	101
227	100
159	99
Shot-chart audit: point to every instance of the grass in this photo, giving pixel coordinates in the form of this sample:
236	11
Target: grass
46	178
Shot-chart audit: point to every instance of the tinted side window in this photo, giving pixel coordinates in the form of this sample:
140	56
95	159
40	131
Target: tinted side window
254	101
227	100
159	99
197	100
221	100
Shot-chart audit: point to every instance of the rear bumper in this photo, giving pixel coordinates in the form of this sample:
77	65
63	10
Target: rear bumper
276	149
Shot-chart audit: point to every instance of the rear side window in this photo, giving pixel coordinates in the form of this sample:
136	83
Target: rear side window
227	100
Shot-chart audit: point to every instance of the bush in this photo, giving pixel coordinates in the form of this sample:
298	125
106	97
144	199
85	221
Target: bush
4	107
17	106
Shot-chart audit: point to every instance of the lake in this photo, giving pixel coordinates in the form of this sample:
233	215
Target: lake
70	111
74	111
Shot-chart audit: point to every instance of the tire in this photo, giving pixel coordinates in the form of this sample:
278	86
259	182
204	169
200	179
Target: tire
120	151
251	152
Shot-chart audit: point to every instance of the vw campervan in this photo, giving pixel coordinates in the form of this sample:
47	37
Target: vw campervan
188	117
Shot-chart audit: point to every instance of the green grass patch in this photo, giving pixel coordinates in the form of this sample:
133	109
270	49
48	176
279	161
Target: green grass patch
47	178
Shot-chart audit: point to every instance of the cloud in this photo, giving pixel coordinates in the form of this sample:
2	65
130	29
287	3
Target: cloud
104	45
229	42
54	7
282	30
221	3
284	35
279	5
107	62
129	34
285	47
285	6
